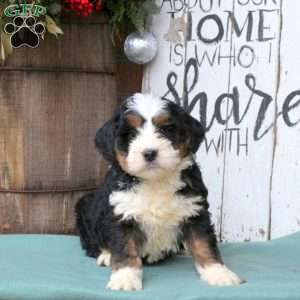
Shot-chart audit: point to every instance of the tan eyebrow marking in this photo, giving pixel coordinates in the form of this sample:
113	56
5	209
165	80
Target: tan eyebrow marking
135	120
162	119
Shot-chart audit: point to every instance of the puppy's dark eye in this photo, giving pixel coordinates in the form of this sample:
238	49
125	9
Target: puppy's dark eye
131	134
128	133
167	128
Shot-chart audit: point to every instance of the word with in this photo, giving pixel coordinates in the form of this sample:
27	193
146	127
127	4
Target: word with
231	138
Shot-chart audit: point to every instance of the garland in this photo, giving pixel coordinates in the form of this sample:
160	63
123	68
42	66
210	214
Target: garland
122	14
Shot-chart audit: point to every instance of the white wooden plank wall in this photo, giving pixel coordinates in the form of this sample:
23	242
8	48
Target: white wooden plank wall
235	65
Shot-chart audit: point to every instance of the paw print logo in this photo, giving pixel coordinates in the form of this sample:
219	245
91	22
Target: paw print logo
25	31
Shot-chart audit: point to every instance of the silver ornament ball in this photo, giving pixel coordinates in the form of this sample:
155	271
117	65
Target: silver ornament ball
140	47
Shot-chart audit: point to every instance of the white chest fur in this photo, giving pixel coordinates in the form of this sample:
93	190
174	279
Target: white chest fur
158	210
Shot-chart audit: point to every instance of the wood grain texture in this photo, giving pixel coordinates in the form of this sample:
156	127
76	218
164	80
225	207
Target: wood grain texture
285	192
52	101
129	75
38	213
50	124
84	47
210	158
246	182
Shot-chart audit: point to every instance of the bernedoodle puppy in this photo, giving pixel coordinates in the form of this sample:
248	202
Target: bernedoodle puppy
153	201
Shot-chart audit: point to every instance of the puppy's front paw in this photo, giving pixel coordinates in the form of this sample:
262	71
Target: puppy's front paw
218	274
104	259
127	279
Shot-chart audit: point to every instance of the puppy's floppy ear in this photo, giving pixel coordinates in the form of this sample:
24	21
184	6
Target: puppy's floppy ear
195	131
105	138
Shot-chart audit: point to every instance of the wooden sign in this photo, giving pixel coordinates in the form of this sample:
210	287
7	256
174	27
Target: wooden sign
233	64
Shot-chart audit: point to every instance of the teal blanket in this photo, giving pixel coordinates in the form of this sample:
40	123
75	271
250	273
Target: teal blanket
54	267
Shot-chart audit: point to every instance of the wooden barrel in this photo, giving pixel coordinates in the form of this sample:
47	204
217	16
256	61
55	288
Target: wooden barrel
52	100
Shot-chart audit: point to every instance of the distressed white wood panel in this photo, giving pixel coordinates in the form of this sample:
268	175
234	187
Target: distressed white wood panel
248	168
251	192
285	186
213	67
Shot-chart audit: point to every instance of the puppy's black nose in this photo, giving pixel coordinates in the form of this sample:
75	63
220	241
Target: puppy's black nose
150	155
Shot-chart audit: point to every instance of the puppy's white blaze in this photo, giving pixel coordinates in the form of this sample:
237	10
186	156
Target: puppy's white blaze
127	279
218	274
148	138
146	105
167	160
155	205
104	258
